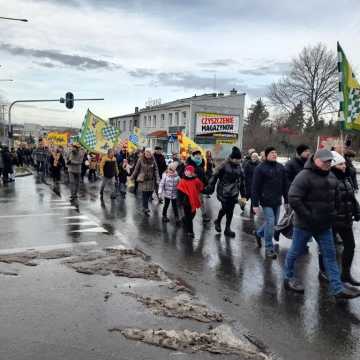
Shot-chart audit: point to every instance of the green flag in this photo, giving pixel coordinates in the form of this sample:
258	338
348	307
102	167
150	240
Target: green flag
349	93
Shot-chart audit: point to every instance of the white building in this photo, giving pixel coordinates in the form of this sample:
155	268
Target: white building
160	123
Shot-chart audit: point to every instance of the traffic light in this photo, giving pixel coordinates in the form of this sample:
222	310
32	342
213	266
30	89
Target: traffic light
69	100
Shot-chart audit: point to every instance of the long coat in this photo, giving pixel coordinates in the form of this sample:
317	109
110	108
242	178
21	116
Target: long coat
146	173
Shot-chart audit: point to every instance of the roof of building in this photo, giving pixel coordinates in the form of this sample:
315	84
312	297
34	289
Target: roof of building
178	103
124	116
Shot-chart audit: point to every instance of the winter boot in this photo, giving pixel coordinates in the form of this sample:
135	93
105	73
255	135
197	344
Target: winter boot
228	232
217	224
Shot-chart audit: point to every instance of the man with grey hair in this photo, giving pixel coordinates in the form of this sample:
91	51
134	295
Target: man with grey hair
312	195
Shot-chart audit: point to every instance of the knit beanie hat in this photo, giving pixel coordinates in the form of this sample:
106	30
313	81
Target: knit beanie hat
337	159
235	153
301	148
269	150
190	169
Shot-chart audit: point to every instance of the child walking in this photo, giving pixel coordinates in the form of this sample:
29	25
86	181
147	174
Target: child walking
168	189
124	172
189	190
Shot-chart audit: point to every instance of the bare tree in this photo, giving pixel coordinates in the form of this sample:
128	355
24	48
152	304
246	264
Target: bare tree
312	80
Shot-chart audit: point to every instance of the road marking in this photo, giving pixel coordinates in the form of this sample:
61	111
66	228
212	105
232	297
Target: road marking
85	223
98	229
28	215
79	217
65	208
49	247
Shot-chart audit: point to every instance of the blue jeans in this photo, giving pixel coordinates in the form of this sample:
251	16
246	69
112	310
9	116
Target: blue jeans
327	248
266	230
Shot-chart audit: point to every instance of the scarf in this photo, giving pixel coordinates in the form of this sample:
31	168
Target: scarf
56	157
192	187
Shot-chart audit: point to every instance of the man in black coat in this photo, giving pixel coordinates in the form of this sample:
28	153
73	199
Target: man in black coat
295	165
161	164
312	195
268	188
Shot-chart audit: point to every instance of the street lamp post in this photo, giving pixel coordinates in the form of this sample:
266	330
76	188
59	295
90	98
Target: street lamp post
61	100
14	19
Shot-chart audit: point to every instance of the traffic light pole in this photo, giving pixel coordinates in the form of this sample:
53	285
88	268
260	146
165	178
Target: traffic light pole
61	100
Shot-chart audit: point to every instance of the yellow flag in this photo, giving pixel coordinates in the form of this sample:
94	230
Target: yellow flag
187	146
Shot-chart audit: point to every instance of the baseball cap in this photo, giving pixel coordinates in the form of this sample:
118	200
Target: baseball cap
324	155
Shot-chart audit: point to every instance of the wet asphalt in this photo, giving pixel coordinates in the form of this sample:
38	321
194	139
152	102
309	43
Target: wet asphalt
231	274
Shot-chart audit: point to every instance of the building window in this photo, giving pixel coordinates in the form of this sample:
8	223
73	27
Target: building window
177	119
131	125
124	128
170	119
145	119
162	124
184	117
154	121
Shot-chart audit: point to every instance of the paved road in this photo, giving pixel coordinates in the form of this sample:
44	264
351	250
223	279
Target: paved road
231	274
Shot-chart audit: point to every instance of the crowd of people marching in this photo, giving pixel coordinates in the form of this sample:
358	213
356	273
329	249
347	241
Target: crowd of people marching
317	191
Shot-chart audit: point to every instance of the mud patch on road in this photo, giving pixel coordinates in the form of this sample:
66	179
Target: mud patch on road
182	307
28	257
220	340
120	262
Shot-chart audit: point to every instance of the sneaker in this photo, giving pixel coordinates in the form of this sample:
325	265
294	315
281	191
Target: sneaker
293	285
206	219
347	294
146	212
258	240
349	280
178	222
165	219
229	233
161	201
113	197
270	254
217	225
323	277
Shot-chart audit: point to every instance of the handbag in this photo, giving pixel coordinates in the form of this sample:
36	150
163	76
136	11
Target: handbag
140	178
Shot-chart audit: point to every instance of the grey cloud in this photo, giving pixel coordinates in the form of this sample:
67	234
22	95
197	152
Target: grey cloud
191	81
76	61
45	64
141	73
199	12
218	63
276	68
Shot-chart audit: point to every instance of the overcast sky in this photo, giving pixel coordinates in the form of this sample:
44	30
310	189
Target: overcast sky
130	50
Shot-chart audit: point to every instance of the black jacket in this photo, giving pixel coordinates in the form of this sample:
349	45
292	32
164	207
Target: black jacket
249	170
269	184
231	182
351	173
347	206
293	167
199	170
161	163
312	195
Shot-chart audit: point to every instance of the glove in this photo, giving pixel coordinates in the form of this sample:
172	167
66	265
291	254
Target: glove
357	217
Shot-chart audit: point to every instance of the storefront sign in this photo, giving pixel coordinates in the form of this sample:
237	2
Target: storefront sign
209	123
